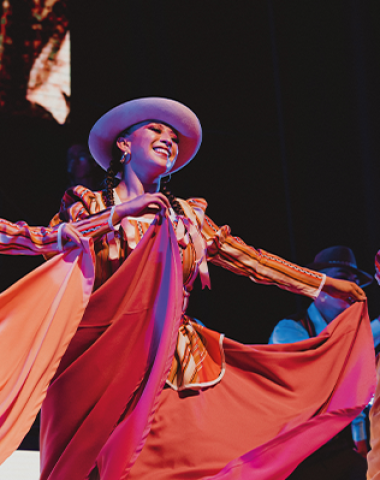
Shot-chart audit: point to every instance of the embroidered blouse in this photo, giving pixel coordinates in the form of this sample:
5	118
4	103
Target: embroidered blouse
199	358
79	204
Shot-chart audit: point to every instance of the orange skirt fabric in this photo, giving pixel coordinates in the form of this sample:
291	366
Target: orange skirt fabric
38	317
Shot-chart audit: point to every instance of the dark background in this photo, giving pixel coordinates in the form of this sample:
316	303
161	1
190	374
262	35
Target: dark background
288	96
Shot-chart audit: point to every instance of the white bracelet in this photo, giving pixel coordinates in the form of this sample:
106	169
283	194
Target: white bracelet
110	224
59	239
321	285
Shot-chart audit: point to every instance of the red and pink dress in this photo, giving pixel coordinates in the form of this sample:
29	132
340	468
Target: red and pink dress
144	392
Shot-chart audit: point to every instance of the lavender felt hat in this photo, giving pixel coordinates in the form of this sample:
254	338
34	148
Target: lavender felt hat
106	130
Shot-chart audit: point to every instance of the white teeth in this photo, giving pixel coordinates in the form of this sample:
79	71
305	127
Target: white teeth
162	150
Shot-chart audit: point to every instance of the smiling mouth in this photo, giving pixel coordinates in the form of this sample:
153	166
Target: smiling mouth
162	151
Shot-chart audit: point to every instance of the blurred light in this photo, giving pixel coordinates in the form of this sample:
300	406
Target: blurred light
49	81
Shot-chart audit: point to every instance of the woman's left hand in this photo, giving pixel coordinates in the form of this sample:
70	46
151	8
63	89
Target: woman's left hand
348	291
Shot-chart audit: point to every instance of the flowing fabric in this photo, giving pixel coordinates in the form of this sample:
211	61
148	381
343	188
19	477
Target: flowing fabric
99	407
374	417
275	405
38	317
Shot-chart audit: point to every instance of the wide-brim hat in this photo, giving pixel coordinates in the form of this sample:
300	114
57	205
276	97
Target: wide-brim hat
340	256
184	121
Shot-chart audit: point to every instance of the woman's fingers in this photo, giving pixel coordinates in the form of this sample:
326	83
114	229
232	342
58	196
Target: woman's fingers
69	233
357	294
160	199
349	291
147	203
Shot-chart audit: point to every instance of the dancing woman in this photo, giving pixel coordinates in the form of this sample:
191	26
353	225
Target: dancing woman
143	391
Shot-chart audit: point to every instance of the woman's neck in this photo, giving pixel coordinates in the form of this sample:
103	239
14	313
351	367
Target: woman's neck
131	187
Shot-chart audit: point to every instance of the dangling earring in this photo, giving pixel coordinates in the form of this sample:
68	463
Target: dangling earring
124	160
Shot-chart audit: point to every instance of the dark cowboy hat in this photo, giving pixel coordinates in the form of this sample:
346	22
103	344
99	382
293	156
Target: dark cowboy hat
340	257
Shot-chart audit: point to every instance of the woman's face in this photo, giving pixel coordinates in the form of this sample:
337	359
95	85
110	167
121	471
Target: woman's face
153	147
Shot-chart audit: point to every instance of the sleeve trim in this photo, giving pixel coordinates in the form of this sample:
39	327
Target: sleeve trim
59	239
321	285
110	224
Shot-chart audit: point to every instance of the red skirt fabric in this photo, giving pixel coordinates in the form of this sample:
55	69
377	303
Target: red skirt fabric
275	405
100	404
374	419
106	414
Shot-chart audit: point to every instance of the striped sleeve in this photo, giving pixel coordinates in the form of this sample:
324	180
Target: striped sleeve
260	266
19	238
377	267
85	208
79	205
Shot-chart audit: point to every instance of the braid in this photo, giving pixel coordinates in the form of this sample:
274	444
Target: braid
115	167
112	171
168	194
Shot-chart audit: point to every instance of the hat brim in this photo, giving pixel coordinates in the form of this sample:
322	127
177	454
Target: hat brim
106	130
365	278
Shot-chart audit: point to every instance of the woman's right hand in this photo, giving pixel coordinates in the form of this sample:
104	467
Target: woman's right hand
146	203
70	234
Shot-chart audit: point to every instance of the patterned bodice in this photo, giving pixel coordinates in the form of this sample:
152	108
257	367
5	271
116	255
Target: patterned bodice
198	237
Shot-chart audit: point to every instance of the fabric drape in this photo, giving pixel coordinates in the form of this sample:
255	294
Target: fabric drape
38	317
100	404
275	405
374	416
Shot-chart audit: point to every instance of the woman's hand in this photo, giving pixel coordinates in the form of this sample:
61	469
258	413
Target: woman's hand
69	233
147	203
348	291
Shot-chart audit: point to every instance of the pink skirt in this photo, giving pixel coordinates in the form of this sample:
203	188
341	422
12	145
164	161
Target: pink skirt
275	405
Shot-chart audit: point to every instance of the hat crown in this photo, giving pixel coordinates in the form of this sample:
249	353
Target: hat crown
336	256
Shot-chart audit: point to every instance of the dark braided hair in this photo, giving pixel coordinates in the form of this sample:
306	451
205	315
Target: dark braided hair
168	194
115	167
